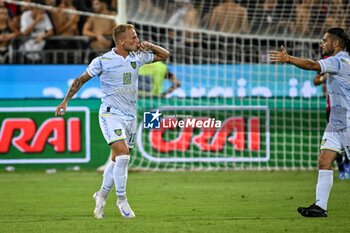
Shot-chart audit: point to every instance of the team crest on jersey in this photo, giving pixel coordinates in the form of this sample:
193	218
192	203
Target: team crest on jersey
133	64
118	132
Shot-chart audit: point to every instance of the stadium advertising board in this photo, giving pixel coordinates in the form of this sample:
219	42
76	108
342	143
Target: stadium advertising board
32	135
205	134
52	81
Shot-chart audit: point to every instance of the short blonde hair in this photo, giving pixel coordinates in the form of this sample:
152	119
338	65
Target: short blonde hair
119	30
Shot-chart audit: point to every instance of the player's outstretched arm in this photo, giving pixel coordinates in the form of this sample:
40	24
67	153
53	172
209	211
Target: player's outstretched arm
74	88
160	53
283	56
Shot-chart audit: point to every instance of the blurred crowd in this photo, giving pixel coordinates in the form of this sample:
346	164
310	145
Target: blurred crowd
36	25
298	18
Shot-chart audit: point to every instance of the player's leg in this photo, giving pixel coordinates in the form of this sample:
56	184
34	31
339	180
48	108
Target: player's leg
120	174
325	177
109	124
330	147
323	187
121	168
101	195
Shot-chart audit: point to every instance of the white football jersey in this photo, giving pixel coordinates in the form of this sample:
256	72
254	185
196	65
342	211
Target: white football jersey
338	88
119	79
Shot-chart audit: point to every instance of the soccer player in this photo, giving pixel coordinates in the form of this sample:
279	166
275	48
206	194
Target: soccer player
118	74
342	160
336	45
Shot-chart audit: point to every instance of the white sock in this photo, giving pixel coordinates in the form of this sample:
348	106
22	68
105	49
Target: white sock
324	187
120	175
108	180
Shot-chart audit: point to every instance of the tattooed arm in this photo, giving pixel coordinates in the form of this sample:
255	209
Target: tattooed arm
74	88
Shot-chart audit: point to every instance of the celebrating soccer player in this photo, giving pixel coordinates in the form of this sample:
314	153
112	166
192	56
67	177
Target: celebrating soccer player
336	138
118	74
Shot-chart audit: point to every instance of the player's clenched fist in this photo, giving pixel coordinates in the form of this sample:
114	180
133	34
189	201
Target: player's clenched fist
145	45
61	109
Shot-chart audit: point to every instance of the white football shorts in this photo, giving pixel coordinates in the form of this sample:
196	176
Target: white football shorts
114	128
337	140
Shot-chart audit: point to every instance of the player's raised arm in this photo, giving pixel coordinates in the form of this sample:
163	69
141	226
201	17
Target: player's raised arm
74	88
160	53
283	56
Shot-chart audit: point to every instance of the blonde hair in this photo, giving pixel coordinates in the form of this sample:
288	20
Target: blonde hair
119	30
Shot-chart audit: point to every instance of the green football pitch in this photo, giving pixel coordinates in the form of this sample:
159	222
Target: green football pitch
232	201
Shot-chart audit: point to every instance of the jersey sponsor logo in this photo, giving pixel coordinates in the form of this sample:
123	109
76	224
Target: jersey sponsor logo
127	78
133	64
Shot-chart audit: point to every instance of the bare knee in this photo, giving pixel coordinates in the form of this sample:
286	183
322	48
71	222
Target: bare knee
326	159
119	148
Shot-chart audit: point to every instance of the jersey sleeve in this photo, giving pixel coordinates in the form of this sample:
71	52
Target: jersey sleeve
146	57
95	67
329	65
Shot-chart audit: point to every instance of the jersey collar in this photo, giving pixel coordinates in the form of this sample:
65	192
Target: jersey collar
114	53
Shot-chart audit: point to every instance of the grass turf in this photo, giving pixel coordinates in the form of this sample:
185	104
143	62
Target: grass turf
243	201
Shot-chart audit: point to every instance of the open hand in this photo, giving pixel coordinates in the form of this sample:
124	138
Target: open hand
279	56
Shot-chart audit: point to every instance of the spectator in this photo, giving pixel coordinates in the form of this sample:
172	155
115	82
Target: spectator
82	5
185	16
7	33
151	78
99	29
66	25
302	17
336	16
68	21
318	17
262	17
229	17
36	24
280	16
150	11
53	16
17	13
